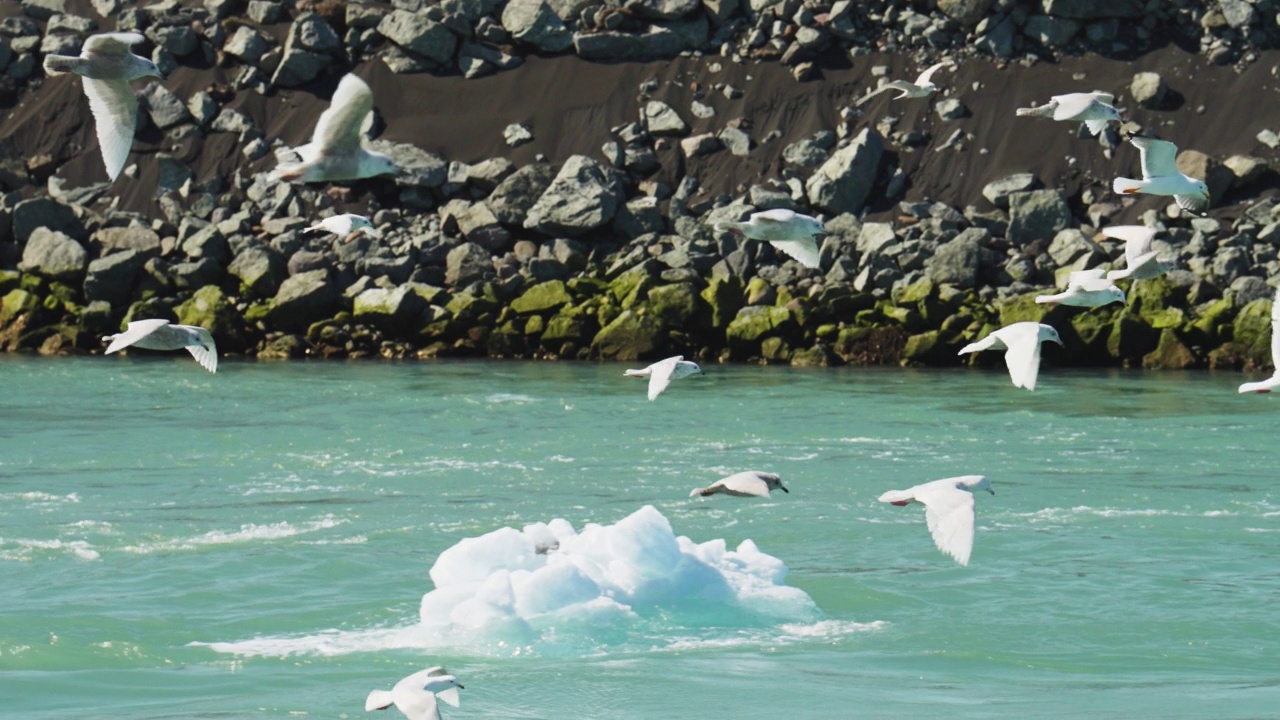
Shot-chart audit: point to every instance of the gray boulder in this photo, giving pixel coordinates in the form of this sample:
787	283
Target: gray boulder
1050	30
259	270
534	22
1037	215
43	212
1148	89
656	42
1093	9
207	242
54	255
393	309
662	119
1070	246
141	240
310	32
582	197
997	191
418	35
302	300
111	278
466	264
511	200
958	261
165	109
299	66
418	168
843	183
246	45
965	12
663	9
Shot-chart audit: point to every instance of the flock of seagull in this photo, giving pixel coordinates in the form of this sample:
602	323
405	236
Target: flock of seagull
337	153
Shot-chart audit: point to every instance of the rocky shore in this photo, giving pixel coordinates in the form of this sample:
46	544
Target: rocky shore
566	162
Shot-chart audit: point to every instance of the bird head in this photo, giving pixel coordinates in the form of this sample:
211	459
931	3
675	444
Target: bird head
1114	294
774	482
974	483
382	165
1048	333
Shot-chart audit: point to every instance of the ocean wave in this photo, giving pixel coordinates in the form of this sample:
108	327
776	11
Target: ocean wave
249	532
40	497
24	549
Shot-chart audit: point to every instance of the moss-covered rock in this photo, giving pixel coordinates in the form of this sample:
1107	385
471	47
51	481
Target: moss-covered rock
468	308
775	350
820	355
210	309
9	280
284	347
760	292
1131	339
754	324
1092	329
723	296
1251	331
630	336
922	348
396	310
586	287
871	346
1024	308
916	292
678	305
17	302
543	298
1155	294
562	329
1170	353
1213	316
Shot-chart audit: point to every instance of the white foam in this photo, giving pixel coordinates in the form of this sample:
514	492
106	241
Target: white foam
43	498
247	533
26	547
551	589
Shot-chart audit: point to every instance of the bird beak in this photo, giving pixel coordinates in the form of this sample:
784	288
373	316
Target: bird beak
993	492
783	488
460	687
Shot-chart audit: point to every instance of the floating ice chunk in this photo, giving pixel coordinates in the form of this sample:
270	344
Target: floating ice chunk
475	559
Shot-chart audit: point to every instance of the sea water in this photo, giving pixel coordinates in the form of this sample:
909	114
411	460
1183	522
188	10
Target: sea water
260	543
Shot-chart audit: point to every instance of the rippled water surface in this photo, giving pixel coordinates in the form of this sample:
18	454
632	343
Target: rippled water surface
256	544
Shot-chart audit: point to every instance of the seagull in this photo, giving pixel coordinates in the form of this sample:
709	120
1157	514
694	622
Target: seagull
744	484
1140	260
1264	386
336	150
1160	176
158	334
922	87
1021	343
788	231
107	66
1094	109
1085	288
661	373
415	696
948	510
348	225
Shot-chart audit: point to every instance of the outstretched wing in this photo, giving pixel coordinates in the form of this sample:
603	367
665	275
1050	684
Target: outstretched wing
746	483
201	347
340	126
776	216
901	86
1275	332
111	43
1072	106
804	250
660	375
1159	157
115	116
948	511
1137	240
1023	355
929	71
136	330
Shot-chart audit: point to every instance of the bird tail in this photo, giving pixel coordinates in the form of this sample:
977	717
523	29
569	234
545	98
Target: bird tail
60	64
1043	300
1126	186
1042	111
635	373
1119	274
729	227
1096	126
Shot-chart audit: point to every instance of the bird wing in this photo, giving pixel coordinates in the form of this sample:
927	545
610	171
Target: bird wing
450	696
1275	332
136	330
1094	280
660	375
948	511
115	115
378	700
1137	240
776	216
1073	105
1023	355
746	483
412	697
1194	203
1159	157
339	127
804	250
118	43
898	496
201	347
928	73
901	86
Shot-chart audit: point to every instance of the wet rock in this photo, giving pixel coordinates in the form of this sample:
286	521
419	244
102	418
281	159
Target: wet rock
111	278
392	309
1037	214
755	324
209	308
542	298
630	336
303	299
259	270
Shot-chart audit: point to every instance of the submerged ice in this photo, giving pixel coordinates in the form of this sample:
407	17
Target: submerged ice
546	576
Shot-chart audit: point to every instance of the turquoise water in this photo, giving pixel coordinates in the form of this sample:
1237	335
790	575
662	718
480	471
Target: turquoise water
256	544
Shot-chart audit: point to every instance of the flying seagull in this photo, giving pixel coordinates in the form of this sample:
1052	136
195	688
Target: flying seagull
336	151
1021	343
107	65
1160	176
744	484
786	230
661	373
1085	288
1094	109
948	510
347	225
415	696
1139	257
1264	386
922	87
158	334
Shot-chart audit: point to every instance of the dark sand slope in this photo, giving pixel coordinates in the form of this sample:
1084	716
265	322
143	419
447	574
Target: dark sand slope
572	104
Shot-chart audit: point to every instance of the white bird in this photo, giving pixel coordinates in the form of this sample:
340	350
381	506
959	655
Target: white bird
1139	257
158	334
661	373
336	150
346	225
1085	288
744	484
948	510
1021	343
1094	109
922	87
107	66
1160	176
415	696
1264	386
786	230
